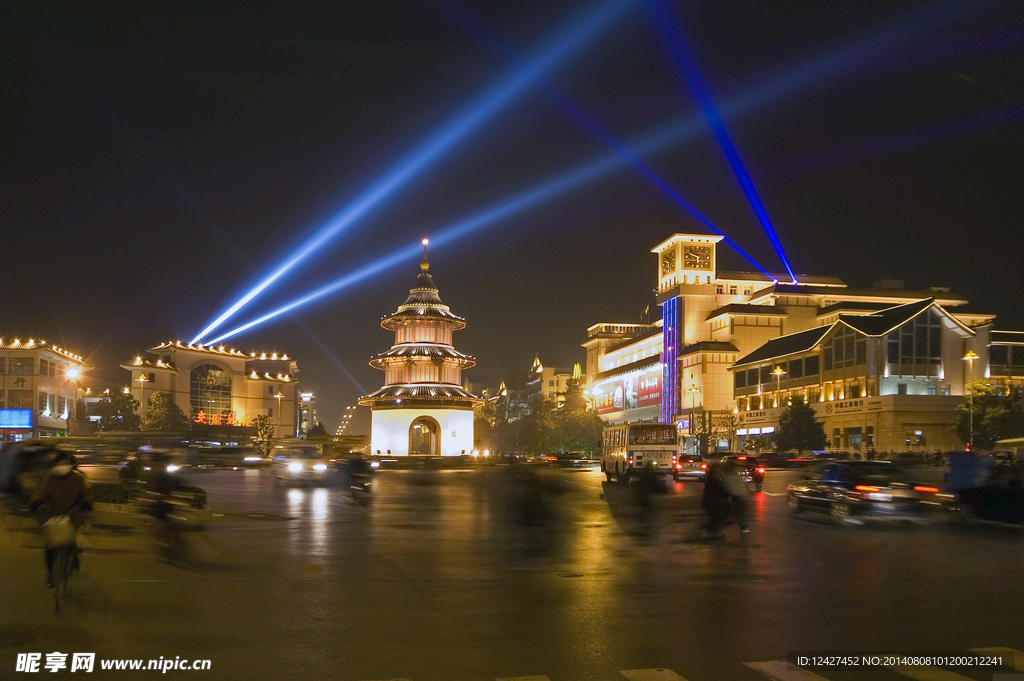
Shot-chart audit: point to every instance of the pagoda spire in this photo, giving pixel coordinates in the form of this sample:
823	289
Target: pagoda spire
425	265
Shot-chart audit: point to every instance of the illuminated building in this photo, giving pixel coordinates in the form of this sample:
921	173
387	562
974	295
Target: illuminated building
547	384
307	413
422	409
39	389
713	320
218	386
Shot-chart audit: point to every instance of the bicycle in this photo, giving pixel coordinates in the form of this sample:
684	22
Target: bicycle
60	538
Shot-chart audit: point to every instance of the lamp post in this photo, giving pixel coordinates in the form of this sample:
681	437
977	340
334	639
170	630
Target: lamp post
278	396
969	358
693	390
72	375
778	371
142	391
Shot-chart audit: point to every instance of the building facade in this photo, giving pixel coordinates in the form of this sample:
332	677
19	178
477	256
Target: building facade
39	389
220	386
715	323
422	409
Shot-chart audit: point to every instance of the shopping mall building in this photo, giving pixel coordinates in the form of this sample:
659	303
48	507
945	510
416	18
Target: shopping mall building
884	368
220	387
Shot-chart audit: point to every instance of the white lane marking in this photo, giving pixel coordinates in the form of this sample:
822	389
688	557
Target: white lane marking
523	678
781	670
651	675
1011	658
928	673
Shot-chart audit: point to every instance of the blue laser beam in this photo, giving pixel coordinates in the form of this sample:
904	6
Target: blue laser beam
818	68
565	42
683	59
577	113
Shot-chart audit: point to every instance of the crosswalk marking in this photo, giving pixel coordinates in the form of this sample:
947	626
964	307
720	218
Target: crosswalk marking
1011	658
783	671
928	673
651	675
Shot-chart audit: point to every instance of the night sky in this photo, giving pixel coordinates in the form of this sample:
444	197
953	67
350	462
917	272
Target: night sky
159	157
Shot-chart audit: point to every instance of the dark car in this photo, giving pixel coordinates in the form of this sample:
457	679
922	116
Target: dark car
855	491
753	470
690	466
999	499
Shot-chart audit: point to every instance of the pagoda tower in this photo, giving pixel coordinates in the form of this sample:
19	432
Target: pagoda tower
422	409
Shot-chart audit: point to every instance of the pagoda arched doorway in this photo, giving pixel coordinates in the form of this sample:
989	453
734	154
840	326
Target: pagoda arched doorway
423	437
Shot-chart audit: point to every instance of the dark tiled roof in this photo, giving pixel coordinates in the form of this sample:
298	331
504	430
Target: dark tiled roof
786	345
1007	337
751	310
632	366
790	289
759	276
708	346
883	321
851	305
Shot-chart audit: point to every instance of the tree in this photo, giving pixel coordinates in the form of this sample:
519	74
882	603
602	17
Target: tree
726	424
538	432
163	414
118	411
701	428
998	414
264	428
799	429
317	430
580	432
574	398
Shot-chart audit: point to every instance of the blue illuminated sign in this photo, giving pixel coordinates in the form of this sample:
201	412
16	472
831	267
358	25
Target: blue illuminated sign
16	418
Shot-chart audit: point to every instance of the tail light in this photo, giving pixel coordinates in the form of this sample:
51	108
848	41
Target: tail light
703	466
741	458
922	488
760	469
866	488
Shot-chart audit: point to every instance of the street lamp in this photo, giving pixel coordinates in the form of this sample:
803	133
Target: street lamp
142	390
278	396
969	358
778	371
693	390
72	375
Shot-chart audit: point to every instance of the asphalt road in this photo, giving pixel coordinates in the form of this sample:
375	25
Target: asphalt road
436	579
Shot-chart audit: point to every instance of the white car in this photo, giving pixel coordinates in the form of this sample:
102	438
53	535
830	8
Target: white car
295	465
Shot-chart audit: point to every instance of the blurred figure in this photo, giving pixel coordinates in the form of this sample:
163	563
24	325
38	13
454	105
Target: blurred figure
649	484
715	501
359	472
64	491
725	493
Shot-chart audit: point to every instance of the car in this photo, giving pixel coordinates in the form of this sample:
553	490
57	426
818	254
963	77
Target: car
753	470
297	465
856	491
690	467
998	499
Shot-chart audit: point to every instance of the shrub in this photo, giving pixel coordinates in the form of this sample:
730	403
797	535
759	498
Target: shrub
109	493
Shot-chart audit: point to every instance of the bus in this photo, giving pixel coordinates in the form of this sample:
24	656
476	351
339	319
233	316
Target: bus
629	447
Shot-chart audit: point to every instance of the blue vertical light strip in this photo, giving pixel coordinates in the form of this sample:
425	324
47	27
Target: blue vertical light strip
671	35
669	353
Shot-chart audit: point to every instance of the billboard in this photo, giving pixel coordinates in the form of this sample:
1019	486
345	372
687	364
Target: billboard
16	418
632	391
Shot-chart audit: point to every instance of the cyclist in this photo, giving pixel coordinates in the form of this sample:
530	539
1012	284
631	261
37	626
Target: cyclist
63	491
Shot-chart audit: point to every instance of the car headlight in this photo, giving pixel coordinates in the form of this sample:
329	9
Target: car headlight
320	467
251	458
374	464
295	467
172	468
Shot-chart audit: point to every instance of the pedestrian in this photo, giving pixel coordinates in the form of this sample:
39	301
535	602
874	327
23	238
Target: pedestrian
715	500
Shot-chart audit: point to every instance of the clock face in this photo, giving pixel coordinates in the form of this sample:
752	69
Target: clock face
668	262
697	258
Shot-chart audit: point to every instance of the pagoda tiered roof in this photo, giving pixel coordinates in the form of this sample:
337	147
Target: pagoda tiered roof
423	303
429	350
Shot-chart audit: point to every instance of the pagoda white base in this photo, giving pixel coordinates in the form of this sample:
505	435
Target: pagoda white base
389	430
